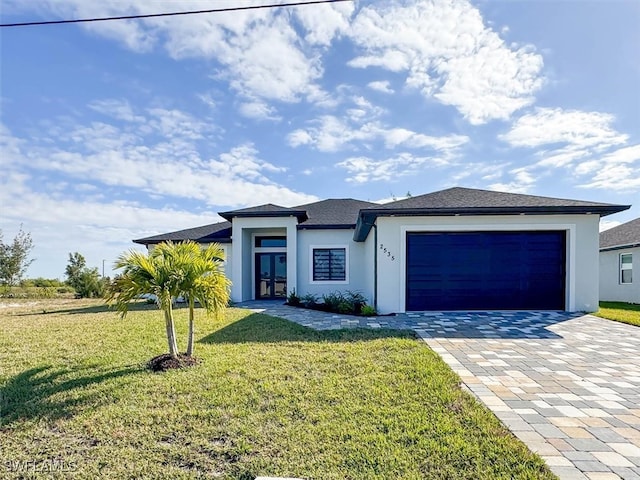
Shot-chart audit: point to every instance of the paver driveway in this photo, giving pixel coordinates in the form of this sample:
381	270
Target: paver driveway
566	385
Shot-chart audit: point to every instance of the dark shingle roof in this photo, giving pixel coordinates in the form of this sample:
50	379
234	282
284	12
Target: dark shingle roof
623	236
471	201
332	213
348	212
215	232
266	210
470	198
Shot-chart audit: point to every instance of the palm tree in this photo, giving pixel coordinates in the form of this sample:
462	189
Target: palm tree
168	271
157	273
203	281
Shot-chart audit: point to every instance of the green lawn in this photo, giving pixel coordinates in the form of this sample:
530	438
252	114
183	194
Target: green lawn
269	398
620	311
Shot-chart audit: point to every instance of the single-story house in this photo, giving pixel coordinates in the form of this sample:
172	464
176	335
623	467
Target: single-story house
455	249
619	257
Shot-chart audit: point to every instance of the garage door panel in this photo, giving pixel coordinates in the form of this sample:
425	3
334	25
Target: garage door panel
486	270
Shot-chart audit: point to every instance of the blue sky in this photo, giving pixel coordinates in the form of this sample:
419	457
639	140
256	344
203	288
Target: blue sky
118	130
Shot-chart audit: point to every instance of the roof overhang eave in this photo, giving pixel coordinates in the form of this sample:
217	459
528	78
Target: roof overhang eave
620	247
301	215
144	241
367	217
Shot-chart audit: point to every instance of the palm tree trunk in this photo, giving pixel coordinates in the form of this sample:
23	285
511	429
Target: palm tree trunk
191	328
171	331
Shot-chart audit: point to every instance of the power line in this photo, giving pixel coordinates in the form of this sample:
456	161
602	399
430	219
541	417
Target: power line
171	14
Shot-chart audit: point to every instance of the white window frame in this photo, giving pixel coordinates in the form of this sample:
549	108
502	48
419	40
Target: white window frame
346	265
622	268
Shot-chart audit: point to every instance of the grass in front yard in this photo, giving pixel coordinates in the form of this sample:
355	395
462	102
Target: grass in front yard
270	397
621	312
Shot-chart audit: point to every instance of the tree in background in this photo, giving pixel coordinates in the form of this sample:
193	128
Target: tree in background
14	257
85	281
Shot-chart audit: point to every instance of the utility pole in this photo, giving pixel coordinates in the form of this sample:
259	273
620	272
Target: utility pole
103	268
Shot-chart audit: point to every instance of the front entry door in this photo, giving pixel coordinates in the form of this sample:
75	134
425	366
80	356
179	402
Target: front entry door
271	275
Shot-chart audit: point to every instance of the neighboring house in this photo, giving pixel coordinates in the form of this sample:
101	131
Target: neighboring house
620	263
456	249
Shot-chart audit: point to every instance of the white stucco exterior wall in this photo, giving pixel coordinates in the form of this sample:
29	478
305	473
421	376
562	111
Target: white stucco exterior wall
226	248
582	251
359	266
610	287
242	254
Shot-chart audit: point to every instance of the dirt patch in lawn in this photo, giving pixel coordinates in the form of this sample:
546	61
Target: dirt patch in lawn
165	362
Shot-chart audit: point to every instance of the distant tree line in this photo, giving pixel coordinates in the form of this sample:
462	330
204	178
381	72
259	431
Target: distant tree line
14	261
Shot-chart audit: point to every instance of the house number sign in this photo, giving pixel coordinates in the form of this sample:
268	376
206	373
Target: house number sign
387	252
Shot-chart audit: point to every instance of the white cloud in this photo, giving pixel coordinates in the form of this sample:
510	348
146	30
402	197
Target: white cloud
522	182
97	229
76	194
444	48
324	22
608	224
260	51
615	176
628	155
449	54
391	60
585	144
364	169
167	154
115	108
299	137
381	86
547	126
258	111
332	133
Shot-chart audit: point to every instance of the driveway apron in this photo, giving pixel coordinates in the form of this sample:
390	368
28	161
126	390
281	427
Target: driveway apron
567	385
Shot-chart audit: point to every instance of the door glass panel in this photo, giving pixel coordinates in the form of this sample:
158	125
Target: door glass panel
271	275
280	277
264	283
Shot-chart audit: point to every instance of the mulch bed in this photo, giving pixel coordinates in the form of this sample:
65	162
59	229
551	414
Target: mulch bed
166	362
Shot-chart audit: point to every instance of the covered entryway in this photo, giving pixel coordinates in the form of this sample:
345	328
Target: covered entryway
502	270
271	275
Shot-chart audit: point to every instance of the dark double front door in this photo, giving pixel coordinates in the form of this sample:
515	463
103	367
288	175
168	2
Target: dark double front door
271	275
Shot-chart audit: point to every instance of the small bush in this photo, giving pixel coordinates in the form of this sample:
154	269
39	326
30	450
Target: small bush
293	299
355	297
346	307
348	303
333	300
368	311
309	300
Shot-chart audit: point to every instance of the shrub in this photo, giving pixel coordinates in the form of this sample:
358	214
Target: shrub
309	300
333	300
368	311
355	297
345	307
349	303
88	284
293	299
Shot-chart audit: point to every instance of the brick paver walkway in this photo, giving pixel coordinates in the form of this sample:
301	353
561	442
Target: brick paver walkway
567	385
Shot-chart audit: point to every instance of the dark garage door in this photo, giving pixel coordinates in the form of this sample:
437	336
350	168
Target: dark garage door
486	271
